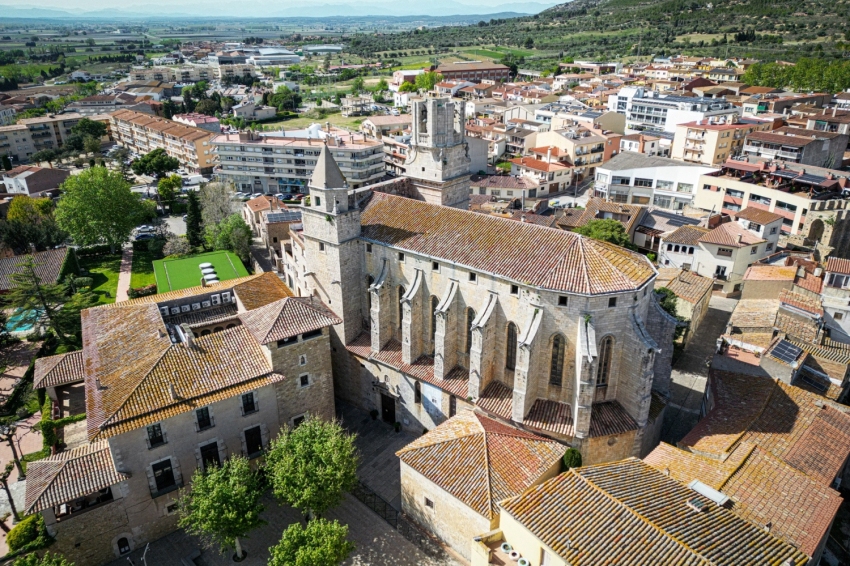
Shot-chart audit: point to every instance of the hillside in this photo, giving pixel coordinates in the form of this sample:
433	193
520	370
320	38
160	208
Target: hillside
767	29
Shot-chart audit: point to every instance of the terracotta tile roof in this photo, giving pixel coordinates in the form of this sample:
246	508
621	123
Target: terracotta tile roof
610	418
497	399
809	282
69	475
537	164
502	182
540	220
806	303
264	202
475	459
757	272
802	428
521	252
552	416
53	371
48	265
781	139
570	218
758	216
455	382
765	490
838	265
597	207
688	286
253	291
727	235
628	513
285	318
754	313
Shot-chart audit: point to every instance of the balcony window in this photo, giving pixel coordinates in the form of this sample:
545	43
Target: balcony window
643	182
155	436
203	419
725	252
249	403
163	475
253	442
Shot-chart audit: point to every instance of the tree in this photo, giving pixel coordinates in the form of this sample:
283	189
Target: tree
6	162
155	163
194	227
89	127
382	85
607	230
207	106
426	81
320	543
223	505
313	465
176	245
30	294
216	202
44	155
47	560
667	300
407	87
571	459
91	144
98	206
357	85
167	189
30	222
231	234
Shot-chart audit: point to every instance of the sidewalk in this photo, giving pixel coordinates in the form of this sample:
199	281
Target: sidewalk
124	274
16	359
27	440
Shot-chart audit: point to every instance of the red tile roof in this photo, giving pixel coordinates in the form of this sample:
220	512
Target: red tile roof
727	235
287	317
497	398
522	252
537	164
475	459
803	302
838	265
758	215
53	371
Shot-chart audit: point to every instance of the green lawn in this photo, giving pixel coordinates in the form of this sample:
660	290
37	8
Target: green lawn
143	274
336	119
104	272
175	274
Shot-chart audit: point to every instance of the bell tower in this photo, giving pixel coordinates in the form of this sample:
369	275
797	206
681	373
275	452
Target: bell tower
438	161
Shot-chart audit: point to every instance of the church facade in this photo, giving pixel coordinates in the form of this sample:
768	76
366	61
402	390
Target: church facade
444	309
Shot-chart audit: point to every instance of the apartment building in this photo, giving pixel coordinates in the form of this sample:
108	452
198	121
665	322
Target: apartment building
780	103
547	167
100	103
474	71
7	115
585	149
788	189
642	143
21	140
209	123
805	147
143	133
635	178
272	163
175	383
184	74
379	126
33	181
711	142
836	296
649	110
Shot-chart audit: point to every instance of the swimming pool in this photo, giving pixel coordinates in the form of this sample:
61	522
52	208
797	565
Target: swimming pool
23	321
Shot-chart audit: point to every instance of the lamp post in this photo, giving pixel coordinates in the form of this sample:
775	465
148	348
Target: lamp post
8	433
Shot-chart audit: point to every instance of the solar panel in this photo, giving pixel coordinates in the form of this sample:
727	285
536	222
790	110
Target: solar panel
785	174
813	382
287	216
811	179
786	352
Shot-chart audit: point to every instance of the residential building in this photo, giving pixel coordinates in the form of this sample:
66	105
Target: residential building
649	110
474	71
785	188
404	76
505	186
356	105
806	147
143	133
635	178
275	227
678	249
545	169
34	181
420	342
586	150
693	293
834	120
250	110
253	210
642	143
100	103
711	142
627	513
7	115
780	103
202	121
395	154
379	126
453	477
836	297
283	162
150	426
30	135
656	223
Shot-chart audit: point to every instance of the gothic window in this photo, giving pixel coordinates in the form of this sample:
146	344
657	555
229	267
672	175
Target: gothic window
556	368
400	306
510	347
369	282
603	371
434	303
470	317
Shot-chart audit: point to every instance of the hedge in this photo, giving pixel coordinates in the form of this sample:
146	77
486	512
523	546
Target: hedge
136	292
28	535
100	249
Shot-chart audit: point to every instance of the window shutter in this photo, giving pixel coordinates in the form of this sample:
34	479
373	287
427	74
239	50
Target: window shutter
198	457
244	444
222	451
256	401
147	439
175	466
264	435
151	481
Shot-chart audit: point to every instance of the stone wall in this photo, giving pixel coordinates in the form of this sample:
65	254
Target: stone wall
86	538
826	228
312	358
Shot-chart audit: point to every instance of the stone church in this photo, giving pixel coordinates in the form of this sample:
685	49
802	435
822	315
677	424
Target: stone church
445	309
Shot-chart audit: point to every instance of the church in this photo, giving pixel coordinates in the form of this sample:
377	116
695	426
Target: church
444	309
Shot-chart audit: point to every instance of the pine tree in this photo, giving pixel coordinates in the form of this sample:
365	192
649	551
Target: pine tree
194	225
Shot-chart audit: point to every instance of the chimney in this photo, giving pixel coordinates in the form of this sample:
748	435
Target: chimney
738	238
172	392
834	110
190	336
522	218
642	142
98	385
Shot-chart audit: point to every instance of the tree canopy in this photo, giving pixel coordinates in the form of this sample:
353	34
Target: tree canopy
223	504
320	543
47	560
231	234
194	228
30	222
313	465
155	163
168	187
97	206
607	230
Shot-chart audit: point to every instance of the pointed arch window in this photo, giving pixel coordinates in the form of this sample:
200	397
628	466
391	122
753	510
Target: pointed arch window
434	303
470	317
400	306
603	370
369	282
556	366
510	347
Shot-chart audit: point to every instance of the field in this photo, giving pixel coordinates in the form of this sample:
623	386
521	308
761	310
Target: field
336	119
176	274
104	273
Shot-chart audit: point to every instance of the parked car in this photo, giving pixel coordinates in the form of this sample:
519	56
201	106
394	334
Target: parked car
144	236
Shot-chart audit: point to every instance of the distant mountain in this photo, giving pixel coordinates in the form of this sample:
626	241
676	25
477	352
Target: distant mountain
435	8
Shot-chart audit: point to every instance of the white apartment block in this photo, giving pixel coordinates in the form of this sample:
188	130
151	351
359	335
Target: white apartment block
836	297
635	178
284	162
650	111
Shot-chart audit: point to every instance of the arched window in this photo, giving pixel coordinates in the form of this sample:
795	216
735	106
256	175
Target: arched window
556	367
603	371
470	317
434	303
510	347
369	282
123	545
400	306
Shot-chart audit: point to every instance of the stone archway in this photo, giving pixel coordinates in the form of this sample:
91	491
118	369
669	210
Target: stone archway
816	230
